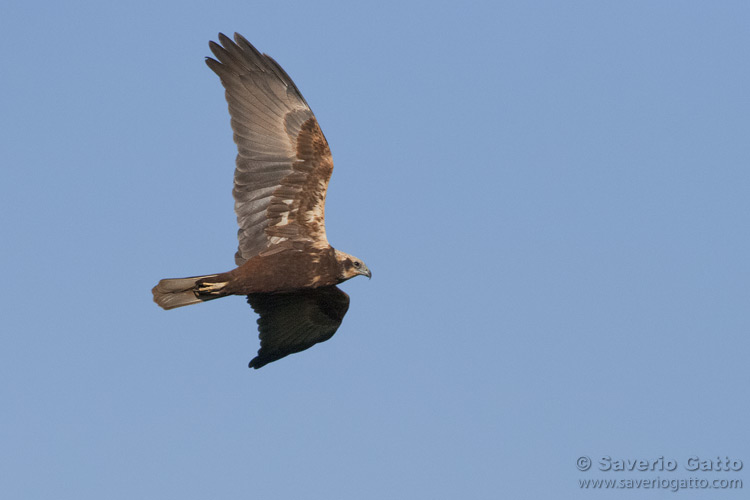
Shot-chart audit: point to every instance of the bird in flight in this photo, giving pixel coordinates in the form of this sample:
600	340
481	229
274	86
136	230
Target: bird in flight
285	265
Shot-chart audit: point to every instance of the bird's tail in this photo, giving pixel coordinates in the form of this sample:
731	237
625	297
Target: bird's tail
178	292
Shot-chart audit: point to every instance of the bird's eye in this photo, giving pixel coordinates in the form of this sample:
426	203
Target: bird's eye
357	264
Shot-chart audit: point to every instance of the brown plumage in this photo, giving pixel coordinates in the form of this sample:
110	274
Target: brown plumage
286	267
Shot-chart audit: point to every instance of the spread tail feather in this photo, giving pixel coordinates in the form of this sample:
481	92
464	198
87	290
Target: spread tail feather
178	292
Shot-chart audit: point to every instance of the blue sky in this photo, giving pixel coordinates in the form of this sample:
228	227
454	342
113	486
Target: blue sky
552	197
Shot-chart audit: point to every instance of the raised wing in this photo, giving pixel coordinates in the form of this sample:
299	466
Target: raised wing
293	322
284	163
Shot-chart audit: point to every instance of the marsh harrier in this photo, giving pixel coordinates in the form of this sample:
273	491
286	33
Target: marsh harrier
285	265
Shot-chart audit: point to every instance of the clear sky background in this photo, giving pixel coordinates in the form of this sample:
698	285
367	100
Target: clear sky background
552	197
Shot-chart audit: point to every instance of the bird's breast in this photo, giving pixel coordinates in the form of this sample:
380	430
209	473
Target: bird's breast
284	271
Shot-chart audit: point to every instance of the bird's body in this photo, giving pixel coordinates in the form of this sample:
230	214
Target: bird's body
285	272
286	266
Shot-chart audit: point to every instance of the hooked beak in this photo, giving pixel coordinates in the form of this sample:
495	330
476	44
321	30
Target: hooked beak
366	272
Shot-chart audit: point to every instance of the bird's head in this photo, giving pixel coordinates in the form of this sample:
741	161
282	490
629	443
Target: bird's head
350	266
